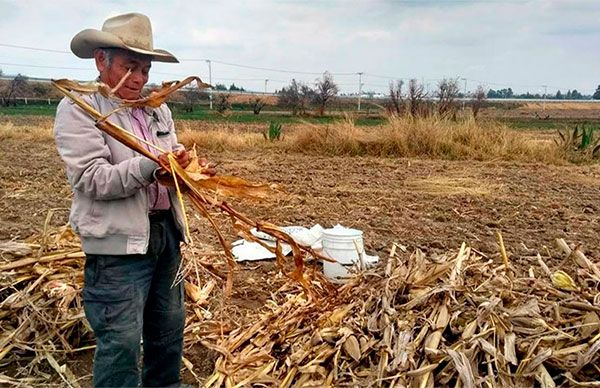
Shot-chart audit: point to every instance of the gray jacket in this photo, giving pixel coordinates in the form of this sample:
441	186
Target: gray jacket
110	203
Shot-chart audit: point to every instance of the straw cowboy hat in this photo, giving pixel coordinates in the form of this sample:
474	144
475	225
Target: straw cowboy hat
131	31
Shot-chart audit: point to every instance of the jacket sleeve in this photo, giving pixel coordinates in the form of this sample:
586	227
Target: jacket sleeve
88	158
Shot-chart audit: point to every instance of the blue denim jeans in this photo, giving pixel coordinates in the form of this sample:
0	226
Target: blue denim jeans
131	297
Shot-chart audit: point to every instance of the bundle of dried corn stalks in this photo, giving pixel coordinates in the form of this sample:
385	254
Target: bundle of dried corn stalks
197	190
455	320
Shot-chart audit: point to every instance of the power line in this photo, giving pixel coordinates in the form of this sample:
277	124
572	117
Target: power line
262	68
285	71
192	60
45	67
34	48
383	76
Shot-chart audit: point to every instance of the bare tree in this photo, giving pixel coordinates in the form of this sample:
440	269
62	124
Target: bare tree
296	97
396	102
447	93
478	100
15	87
223	103
191	96
257	105
325	89
416	99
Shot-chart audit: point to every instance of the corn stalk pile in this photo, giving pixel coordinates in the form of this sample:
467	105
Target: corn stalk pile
41	313
455	320
42	322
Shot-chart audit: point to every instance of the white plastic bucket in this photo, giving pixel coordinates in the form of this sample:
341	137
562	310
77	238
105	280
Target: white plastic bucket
346	247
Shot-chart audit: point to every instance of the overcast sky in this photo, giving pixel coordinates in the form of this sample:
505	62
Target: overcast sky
523	44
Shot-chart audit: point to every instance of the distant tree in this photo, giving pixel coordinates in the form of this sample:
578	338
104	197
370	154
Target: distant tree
501	93
257	105
478	101
325	90
220	87
447	93
233	88
575	95
596	95
296	97
559	95
416	99
14	88
223	103
191	96
396	102
41	90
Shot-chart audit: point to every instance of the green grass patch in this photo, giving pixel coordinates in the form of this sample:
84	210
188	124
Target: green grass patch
29	110
234	116
551	124
247	117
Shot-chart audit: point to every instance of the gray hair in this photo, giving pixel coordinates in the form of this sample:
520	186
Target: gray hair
108	55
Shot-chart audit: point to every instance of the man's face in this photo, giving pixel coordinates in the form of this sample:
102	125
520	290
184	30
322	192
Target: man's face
121	62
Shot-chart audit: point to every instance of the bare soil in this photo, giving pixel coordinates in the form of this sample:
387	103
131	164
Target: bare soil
433	205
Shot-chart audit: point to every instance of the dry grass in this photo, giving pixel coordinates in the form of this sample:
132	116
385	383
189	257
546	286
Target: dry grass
425	138
220	139
9	130
442	185
556	105
400	137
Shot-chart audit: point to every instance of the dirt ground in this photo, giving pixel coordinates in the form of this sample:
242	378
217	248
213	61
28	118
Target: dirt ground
433	205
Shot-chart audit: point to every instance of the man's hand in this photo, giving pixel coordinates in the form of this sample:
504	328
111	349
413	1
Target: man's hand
206	168
197	166
182	156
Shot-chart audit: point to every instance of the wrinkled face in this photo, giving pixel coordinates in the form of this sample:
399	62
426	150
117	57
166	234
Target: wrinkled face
121	61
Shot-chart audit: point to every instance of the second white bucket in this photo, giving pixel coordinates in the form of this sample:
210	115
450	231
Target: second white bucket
344	245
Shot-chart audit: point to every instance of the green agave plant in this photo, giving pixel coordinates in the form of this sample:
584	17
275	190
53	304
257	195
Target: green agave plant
579	140
274	132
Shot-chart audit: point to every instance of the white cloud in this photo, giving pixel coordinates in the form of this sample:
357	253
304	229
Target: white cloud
518	42
375	35
214	37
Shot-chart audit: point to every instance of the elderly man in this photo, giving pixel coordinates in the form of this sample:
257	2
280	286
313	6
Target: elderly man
130	225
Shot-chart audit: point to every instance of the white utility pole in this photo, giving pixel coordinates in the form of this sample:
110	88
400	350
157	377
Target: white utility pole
545	91
267	80
359	88
465	93
210	82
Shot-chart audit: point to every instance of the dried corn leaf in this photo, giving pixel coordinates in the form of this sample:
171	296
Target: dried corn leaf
155	99
563	281
352	348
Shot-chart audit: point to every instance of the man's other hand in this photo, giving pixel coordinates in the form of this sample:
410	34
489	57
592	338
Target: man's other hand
207	168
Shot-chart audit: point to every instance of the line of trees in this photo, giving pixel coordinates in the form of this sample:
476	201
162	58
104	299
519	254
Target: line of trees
417	102
569	95
232	88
